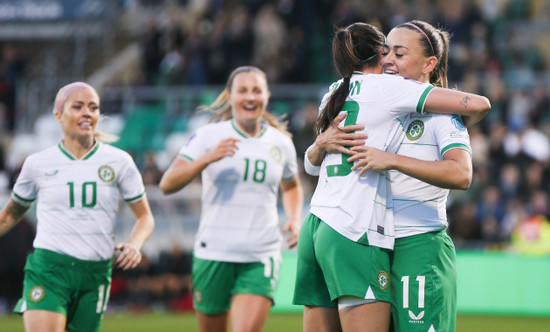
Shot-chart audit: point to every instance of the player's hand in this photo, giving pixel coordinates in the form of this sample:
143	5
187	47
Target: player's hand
293	226
337	140
129	256
367	158
226	148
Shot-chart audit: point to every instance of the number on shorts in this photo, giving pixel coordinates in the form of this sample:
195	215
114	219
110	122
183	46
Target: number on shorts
271	267
421	288
103	294
343	169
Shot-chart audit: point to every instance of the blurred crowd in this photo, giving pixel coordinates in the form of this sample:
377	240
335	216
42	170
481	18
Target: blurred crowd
499	48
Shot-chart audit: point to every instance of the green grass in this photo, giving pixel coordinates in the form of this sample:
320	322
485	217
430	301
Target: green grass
277	322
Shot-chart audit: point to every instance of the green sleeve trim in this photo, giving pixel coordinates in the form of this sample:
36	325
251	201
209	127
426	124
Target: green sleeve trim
456	146
22	201
422	100
135	198
184	156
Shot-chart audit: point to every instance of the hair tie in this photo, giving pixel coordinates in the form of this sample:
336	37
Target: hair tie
375	54
421	31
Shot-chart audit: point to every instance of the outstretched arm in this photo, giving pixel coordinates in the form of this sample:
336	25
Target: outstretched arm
10	215
130	255
293	203
453	172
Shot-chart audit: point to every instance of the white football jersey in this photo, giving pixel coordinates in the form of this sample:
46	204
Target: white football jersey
420	207
239	218
358	208
77	199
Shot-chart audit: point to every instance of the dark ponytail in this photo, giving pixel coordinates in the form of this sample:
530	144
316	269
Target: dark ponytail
354	48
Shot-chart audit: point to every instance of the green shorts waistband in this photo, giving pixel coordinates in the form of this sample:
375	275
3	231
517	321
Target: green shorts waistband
71	262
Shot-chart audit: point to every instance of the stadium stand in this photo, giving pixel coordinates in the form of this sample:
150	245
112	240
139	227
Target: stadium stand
155	61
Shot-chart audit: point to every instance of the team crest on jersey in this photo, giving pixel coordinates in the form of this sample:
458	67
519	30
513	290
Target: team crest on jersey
37	293
197	296
383	279
415	130
106	173
275	153
457	122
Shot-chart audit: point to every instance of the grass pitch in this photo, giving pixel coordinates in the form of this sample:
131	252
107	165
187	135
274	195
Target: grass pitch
277	322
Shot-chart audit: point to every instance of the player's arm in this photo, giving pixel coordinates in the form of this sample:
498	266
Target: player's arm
182	171
470	106
10	215
453	172
334	140
293	203
130	255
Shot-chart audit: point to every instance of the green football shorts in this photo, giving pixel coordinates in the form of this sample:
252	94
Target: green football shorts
423	279
330	266
75	288
215	282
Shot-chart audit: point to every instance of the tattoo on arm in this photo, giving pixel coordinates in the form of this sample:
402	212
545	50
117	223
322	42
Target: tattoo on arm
464	101
15	210
10	215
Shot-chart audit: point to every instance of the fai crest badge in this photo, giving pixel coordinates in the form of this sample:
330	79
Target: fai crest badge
383	280
275	154
37	293
106	173
415	130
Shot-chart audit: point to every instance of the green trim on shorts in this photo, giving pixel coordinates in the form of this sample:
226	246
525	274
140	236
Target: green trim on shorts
215	282
423	279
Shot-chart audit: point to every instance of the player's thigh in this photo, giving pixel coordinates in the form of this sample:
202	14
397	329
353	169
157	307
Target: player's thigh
88	308
423	278
310	286
213	283
258	278
44	321
351	268
46	286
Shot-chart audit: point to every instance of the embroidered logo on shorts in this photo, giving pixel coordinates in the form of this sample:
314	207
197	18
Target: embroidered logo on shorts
415	130
106	173
383	279
275	153
197	295
37	293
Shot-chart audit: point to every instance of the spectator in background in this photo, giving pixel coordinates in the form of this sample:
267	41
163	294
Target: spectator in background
11	69
243	159
77	185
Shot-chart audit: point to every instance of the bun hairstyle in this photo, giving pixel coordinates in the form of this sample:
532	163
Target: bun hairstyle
61	98
222	109
435	42
354	48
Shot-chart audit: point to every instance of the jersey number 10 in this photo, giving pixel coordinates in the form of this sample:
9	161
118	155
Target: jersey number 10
89	194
